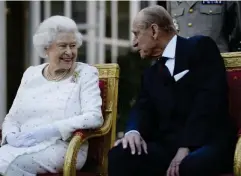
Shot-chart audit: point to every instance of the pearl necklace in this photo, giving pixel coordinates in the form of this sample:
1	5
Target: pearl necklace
56	78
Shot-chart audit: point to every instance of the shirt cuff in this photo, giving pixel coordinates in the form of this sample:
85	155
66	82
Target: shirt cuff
132	131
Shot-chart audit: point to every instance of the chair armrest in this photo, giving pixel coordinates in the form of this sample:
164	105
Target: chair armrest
80	136
237	157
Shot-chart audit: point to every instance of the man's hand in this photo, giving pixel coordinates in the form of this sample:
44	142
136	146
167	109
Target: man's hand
134	140
173	169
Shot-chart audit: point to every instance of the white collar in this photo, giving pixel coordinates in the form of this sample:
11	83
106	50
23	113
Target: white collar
170	49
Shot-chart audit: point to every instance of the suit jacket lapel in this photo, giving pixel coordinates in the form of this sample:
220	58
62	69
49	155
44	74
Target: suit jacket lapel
181	57
162	91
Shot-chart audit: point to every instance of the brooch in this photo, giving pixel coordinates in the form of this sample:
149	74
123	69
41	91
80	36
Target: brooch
75	77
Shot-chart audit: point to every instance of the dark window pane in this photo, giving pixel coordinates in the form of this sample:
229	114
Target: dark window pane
57	8
82	53
123	51
162	3
108	53
79	11
123	19
108	19
42	11
144	4
83	31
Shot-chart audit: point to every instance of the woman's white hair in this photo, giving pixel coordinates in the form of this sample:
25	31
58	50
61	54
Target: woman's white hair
48	30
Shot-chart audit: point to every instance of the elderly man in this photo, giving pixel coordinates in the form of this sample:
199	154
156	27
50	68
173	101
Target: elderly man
179	124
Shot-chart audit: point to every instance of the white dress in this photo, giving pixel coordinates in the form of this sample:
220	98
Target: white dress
71	104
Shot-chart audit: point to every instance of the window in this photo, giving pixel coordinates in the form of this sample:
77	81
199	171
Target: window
144	4
123	19
79	11
57	8
108	19
83	31
82	53
108	54
162	3
123	51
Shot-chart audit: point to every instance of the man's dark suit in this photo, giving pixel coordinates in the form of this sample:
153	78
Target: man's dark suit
191	112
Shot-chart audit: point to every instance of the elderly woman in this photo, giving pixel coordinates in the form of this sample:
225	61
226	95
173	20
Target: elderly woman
54	99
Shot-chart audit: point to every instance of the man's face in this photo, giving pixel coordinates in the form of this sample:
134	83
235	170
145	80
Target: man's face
143	40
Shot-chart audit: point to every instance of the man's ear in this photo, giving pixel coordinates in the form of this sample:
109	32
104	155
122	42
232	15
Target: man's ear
155	31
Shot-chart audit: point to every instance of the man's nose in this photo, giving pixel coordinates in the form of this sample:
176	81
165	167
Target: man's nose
135	44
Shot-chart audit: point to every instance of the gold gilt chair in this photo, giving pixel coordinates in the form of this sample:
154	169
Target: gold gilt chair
233	68
100	140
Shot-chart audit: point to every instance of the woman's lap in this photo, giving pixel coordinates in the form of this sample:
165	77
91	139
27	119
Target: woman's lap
50	159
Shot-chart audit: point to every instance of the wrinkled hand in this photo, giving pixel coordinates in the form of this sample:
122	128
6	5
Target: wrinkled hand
28	139
134	140
173	169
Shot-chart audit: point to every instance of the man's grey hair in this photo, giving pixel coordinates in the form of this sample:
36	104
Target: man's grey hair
48	30
157	15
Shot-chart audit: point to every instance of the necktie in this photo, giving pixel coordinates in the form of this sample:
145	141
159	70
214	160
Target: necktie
163	60
164	70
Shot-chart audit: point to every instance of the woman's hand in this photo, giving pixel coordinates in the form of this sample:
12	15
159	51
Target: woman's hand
12	140
39	135
28	139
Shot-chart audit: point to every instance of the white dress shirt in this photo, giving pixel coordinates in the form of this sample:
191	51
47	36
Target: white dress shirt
170	52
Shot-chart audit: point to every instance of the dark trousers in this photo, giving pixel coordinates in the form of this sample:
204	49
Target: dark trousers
205	161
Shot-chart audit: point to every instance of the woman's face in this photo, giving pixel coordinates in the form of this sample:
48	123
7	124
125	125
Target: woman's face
62	53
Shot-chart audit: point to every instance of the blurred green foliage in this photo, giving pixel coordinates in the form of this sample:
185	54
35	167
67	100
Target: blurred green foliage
131	69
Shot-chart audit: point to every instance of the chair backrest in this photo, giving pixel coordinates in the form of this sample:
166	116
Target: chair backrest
233	66
100	146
